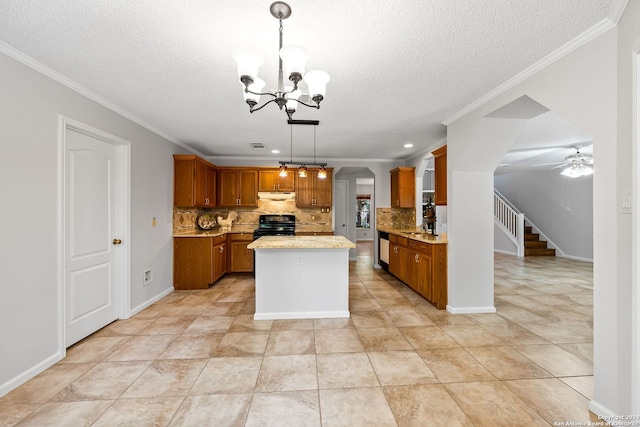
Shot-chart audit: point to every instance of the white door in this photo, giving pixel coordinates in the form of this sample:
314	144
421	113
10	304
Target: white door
90	234
341	207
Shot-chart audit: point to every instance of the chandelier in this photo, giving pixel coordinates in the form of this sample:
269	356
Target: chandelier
302	170
578	165
294	59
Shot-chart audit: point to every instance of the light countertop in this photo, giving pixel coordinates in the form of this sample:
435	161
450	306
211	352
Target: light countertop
416	233
301	242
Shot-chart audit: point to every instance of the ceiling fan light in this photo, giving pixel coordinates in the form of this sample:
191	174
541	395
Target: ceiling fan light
248	61
317	81
294	59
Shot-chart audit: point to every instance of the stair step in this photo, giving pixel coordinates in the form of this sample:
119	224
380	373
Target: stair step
531	237
528	229
539	252
535	244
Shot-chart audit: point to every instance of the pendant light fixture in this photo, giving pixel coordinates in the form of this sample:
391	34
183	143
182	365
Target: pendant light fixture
302	170
292	61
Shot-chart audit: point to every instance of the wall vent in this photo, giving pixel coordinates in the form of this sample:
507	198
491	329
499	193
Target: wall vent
258	146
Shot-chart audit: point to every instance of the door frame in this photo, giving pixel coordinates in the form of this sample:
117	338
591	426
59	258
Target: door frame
123	255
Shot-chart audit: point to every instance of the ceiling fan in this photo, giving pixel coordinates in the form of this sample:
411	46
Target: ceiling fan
577	164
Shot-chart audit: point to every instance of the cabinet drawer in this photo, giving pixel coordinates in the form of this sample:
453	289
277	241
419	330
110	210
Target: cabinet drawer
237	237
402	241
219	239
393	238
420	246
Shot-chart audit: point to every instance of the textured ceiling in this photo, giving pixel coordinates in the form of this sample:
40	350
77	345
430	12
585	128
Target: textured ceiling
398	69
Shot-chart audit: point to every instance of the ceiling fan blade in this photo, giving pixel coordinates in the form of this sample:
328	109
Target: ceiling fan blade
560	166
548	164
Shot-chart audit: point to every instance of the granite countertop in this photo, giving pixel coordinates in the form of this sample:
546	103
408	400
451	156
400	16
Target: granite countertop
218	231
301	242
415	233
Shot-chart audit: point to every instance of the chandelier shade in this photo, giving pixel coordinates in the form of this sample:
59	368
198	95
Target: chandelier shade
292	64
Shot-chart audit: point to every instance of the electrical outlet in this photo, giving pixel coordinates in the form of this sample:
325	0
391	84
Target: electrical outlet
148	277
300	260
153	221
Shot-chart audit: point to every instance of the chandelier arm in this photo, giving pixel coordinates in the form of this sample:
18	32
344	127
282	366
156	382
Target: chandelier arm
316	106
261	93
252	109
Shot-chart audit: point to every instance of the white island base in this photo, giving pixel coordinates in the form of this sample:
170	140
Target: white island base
308	281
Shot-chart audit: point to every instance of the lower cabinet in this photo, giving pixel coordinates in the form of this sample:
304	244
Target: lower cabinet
198	261
422	266
241	260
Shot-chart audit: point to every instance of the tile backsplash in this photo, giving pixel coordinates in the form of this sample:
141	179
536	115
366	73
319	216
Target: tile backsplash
396	217
184	219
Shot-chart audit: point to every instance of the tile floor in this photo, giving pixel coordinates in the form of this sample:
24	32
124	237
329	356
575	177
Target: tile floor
197	358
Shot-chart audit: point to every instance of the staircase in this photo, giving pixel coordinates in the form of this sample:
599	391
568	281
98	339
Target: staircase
533	246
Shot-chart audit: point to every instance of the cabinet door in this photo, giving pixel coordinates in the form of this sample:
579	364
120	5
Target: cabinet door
248	188
324	194
267	180
440	171
219	261
227	187
304	191
403	257
211	187
419	273
395	186
192	262
200	187
241	258
285	183
403	187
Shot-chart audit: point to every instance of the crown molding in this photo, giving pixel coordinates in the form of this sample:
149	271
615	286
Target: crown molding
616	10
593	32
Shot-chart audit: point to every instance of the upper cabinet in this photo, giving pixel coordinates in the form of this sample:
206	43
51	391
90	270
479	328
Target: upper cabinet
312	191
270	180
194	182
403	187
440	167
237	187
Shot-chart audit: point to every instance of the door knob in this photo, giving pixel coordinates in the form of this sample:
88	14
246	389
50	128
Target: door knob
117	241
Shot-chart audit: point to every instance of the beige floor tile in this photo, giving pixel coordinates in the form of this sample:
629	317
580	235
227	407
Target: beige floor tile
520	315
557	361
493	404
45	385
167	326
345	323
428	337
583	385
192	347
281	409
166	378
142	347
290	342
383	339
552	399
55	414
140	412
371	319
105	381
125	327
420	405
364	304
356	407
93	349
242	344
228	375
483	318
337	341
223	309
443	318
345	370
401	368
213	410
506	363
583	350
12	413
513	334
471	336
210	325
455	365
556	333
409	317
293	325
245	323
285	373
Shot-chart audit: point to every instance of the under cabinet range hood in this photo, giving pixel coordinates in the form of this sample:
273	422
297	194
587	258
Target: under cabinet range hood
272	195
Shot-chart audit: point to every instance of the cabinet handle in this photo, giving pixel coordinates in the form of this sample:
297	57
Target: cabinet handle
417	258
398	202
221	249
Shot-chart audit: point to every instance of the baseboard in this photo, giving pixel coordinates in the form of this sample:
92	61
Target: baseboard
30	373
470	310
147	303
303	315
601	411
500	251
577	258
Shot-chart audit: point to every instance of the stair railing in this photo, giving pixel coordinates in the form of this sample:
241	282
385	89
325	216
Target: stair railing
510	220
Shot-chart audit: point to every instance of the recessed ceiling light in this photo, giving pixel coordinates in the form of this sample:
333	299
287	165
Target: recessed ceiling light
408	145
275	151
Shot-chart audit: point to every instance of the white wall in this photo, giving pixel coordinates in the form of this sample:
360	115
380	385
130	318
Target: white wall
30	108
561	207
582	87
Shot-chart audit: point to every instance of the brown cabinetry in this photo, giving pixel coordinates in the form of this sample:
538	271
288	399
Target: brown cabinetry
237	187
422	266
241	258
312	191
270	180
440	180
219	257
194	182
403	187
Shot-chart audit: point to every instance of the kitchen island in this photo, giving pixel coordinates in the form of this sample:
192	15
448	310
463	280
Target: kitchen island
301	277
